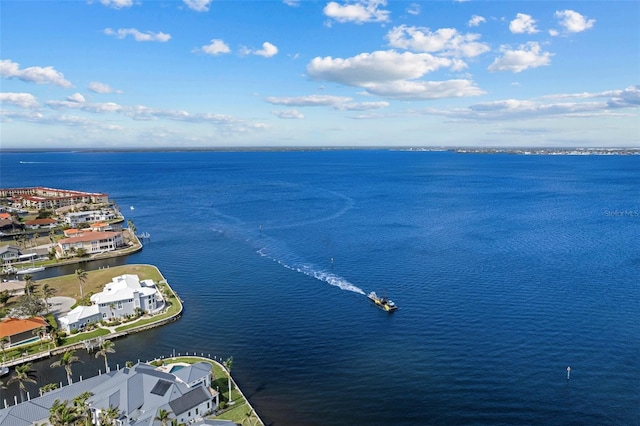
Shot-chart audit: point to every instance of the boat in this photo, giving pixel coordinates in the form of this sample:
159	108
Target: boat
382	302
30	270
4	371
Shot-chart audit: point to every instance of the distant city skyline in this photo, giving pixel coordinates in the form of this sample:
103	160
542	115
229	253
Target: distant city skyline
213	74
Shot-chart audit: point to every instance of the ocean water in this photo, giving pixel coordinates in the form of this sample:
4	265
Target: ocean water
507	269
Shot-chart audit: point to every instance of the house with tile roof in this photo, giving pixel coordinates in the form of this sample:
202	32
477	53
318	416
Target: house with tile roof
21	330
45	223
138	393
92	242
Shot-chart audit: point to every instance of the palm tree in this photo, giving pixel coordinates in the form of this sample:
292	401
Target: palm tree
108	416
48	388
67	360
106	347
4	341
23	374
82	408
40	332
227	364
163	417
81	275
28	284
47	293
60	414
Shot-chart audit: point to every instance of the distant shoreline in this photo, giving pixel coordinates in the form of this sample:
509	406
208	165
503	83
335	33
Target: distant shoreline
459	150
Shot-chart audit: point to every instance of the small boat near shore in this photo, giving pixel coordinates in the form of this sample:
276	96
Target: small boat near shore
382	302
30	270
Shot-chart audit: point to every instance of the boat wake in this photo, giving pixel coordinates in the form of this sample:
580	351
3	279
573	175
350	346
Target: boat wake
314	272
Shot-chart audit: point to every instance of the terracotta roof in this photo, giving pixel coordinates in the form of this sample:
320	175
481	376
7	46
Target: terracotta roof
13	326
5	216
40	221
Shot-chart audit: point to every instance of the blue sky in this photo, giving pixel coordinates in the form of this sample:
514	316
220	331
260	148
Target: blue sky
201	73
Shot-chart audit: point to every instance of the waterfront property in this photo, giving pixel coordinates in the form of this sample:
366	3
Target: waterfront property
138	394
40	198
45	223
122	297
92	242
9	254
76	218
21	330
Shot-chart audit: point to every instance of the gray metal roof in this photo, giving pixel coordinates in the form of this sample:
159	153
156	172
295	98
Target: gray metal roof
189	400
193	372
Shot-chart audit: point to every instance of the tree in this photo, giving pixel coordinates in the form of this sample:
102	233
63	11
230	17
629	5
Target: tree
47	293
106	347
228	364
61	414
34	240
29	285
82	408
40	332
131	227
48	388
4	341
67	360
163	417
23	374
108	416
81	275
4	296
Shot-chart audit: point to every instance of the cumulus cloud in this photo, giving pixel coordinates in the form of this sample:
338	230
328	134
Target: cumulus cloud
444	41
288	114
573	22
117	4
22	100
76	97
425	90
311	100
198	5
526	56
216	47
292	3
97	87
362	106
413	9
39	75
268	50
523	23
376	67
359	12
476	20
138	35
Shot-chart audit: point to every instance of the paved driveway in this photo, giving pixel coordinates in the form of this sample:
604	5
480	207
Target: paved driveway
61	305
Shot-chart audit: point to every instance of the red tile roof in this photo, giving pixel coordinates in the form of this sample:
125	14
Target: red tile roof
89	236
13	326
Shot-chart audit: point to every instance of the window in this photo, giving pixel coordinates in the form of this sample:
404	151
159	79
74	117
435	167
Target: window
120	304
104	315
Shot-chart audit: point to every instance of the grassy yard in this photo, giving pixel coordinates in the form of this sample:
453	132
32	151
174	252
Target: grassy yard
69	286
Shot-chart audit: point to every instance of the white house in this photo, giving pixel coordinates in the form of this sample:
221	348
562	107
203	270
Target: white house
79	317
76	218
120	298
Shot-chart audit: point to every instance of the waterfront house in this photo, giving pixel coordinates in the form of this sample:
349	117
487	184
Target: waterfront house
9	254
126	293
79	317
138	393
46	223
74	219
40	198
91	242
21	330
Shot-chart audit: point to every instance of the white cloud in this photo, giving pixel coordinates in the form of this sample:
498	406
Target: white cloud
445	41
98	87
376	67
311	100
413	9
288	113
76	97
22	100
527	56
216	47
292	3
117	4
198	5
476	20
39	75
268	50
138	35
523	24
553	33
574	22
360	11
425	90
362	106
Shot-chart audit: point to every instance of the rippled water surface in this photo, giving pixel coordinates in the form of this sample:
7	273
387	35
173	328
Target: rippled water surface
507	269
